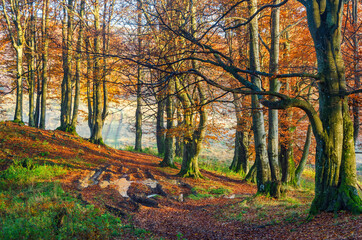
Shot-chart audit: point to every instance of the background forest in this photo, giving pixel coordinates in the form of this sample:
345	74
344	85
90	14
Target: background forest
266	87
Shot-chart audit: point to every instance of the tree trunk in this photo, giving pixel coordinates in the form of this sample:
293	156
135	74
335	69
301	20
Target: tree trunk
357	84
138	141
241	155
78	67
274	87
96	136
19	85
261	156
66	105
180	123
168	159
303	160
160	128
336	177
45	22
287	161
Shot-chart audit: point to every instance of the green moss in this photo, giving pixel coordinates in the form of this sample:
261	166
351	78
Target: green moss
21	123
69	129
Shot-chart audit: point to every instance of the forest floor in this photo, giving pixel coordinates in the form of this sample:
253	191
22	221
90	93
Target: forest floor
54	181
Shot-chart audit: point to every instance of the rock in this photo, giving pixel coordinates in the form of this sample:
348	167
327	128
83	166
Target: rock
144	200
122	186
152	195
149	174
186	185
232	196
159	190
104	184
115	211
180	198
149	182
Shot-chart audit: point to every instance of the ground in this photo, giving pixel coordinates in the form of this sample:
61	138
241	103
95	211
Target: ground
132	187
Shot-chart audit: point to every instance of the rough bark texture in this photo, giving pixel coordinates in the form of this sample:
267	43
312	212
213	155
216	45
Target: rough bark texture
336	179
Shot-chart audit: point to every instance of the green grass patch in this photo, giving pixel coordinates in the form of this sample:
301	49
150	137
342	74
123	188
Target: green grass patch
27	171
45	211
201	193
147	150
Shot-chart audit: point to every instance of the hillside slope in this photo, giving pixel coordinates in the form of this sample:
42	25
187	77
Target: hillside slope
132	187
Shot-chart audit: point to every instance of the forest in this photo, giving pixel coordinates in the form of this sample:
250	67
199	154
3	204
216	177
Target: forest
275	83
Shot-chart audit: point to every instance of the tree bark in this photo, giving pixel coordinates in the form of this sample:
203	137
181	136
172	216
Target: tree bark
357	84
78	57
261	156
168	159
241	155
303	160
336	177
160	128
274	87
96	136
45	23
138	125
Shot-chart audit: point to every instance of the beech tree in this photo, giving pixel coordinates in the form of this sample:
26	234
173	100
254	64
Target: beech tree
16	15
336	179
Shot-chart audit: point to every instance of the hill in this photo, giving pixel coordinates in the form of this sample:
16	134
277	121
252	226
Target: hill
65	187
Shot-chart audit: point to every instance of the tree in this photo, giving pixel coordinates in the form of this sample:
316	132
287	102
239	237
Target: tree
332	126
138	125
16	16
44	55
336	178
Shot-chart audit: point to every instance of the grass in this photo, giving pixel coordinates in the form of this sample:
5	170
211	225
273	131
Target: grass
201	193
33	206
263	211
147	150
27	171
205	164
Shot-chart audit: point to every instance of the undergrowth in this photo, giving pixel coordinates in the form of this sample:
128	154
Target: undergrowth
34	207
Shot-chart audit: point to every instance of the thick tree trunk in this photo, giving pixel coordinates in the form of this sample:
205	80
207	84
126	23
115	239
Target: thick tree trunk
336	177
